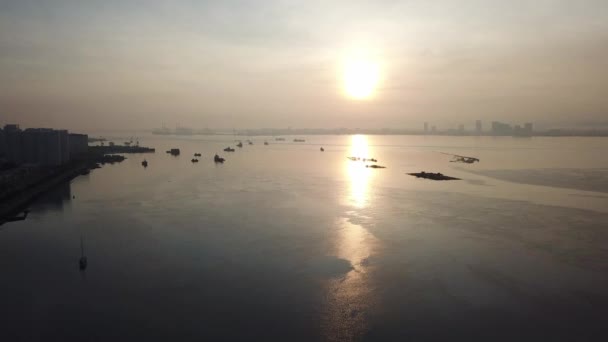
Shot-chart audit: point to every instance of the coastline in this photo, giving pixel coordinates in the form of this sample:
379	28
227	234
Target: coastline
17	202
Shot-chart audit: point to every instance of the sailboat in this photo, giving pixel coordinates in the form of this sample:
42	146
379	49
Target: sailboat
82	263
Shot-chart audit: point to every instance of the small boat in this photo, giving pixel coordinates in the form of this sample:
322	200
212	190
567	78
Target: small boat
322	149
144	163
240	144
265	142
194	160
82	263
376	166
229	149
197	154
363	159
299	140
279	139
250	142
174	151
218	159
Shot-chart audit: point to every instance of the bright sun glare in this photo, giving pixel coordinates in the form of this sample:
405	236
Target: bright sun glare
360	78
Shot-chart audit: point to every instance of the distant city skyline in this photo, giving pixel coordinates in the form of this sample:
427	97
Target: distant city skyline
470	127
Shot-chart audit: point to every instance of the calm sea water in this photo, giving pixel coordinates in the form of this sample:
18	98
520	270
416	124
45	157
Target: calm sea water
284	242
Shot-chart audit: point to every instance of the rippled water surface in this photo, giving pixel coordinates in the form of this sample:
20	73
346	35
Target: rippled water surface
284	242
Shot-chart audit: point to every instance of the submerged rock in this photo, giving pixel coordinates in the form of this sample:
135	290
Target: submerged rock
432	176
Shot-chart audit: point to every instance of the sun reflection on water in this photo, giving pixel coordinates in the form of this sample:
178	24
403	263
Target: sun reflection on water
358	174
350	297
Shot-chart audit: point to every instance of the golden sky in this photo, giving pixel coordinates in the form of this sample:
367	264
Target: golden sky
139	64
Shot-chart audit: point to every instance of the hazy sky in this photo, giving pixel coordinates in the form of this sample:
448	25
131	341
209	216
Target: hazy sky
84	64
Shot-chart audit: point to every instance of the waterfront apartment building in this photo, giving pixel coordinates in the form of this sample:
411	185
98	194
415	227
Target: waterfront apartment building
478	128
2	145
40	146
12	143
64	143
45	146
79	144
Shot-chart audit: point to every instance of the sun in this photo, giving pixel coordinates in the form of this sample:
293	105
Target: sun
360	78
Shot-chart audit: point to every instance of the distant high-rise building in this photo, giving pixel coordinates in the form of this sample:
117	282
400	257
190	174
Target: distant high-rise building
426	127
433	129
517	130
461	129
499	128
525	131
478	128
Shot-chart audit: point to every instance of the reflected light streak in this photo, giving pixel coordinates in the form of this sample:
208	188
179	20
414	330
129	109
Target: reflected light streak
350	297
358	174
